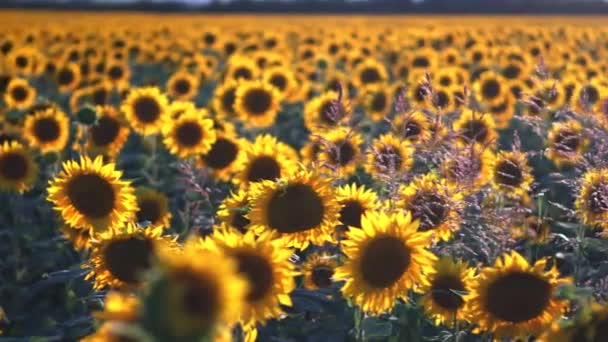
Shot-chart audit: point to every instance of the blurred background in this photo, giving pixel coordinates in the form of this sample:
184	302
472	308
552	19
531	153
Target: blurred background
331	6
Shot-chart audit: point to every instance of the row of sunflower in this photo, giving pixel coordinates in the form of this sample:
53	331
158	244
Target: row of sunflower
359	163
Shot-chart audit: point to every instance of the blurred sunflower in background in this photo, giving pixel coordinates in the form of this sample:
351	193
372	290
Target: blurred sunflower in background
182	86
257	103
389	155
152	207
355	201
566	143
318	271
592	201
145	109
18	170
19	94
47	129
234	209
108	135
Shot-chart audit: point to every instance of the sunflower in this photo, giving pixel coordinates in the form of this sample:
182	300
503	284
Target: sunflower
446	291
68	77
467	169
511	174
377	101
423	59
112	331
120	257
119	306
116	73
224	97
592	201
265	264
301	208
80	239
473	127
354	201
18	171
188	135
152	207
515	299
233	211
19	94
369	72
433	203
90	195
533	228
325	111
417	93
264	159
145	109
198	292
442	99
108	135
490	88
341	150
241	68
182	86
386	258
222	158
318	270
257	103
389	155
282	79
590	95
47	130
412	126
589	325
566	143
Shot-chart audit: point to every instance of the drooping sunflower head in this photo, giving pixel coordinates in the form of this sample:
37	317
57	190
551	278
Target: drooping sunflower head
386	258
301	208
222	158
389	155
18	170
473	127
446	292
198	293
318	270
120	257
369	72
265	264
109	134
145	109
413	127
257	103
514	298
91	195
341	150
377	101
47	129
566	143
264	159
592	201
511	174
355	201
429	199
190	134
19	94
325	112
224	99
490	88
153	207
234	209
468	169
182	86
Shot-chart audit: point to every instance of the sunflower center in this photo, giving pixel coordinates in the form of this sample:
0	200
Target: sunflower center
598	199
518	297
200	296
147	109
115	72
592	94
379	102
13	166
350	214
239	221
511	72
258	272
99	96
46	129
127	258
331	112
420	93
243	73
567	141
444	292
264	168
490	89
19	93
279	81
343	153
21	62
189	134
420	62
295	208
389	158
228	98
182	86
105	131
384	260
370	75
508	173
474	130
210	38
445	81
430	208
91	195
65	77
411	129
442	98
223	152
258	101
321	276
149	210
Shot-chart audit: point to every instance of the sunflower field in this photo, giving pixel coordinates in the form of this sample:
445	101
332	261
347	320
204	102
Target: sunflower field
187	177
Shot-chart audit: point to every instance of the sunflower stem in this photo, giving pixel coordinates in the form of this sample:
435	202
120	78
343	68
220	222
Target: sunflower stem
580	236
